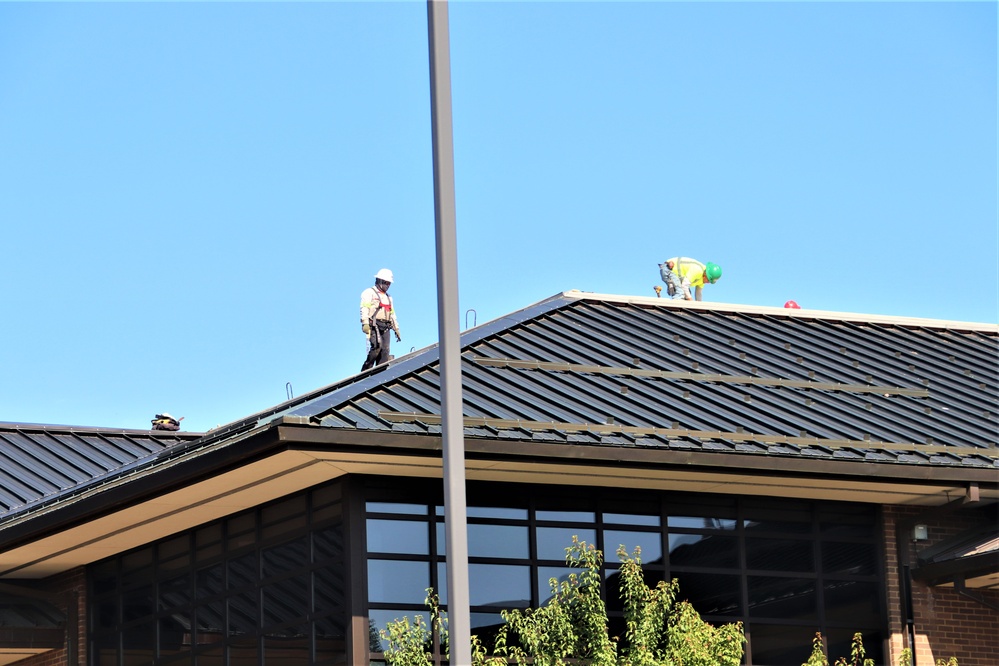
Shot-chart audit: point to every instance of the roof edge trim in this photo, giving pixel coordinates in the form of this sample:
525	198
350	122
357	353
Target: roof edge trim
912	322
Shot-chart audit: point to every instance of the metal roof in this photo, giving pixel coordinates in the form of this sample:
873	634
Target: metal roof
597	370
40	461
612	371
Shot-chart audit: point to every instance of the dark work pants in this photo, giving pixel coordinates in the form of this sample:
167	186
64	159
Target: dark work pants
378	347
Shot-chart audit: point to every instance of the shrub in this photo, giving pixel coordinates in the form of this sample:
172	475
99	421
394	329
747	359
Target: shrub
572	627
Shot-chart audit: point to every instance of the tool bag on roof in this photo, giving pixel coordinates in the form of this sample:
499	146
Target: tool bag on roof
166	422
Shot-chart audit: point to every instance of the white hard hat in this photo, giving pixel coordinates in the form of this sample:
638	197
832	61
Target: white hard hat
384	274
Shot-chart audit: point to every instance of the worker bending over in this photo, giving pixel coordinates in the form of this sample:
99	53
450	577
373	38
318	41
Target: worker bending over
378	319
682	273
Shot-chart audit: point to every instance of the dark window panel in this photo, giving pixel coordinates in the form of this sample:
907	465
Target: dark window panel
175	591
138	603
780	555
325	514
711	594
174	634
241	531
612	585
175	547
210	619
849	558
852	603
285	651
327	495
840	640
397	507
566	516
244	613
328	543
500	541
552	541
782	598
701	523
650	543
242	570
107	613
486	626
208	581
566	505
330	589
508	513
703	550
406	537
104	576
331	628
631	519
396	581
380	618
780	645
140	638
502	585
284	558
286	601
213	656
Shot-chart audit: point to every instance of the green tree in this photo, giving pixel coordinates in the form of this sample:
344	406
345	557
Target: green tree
572	628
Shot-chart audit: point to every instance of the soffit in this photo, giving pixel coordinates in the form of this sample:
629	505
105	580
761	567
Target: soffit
292	469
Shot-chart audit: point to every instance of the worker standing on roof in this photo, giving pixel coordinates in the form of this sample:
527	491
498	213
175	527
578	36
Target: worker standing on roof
691	273
378	319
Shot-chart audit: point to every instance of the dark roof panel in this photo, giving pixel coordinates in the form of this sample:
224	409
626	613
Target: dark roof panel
790	383
596	370
37	461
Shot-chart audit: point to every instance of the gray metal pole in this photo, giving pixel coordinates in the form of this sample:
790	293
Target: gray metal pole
456	527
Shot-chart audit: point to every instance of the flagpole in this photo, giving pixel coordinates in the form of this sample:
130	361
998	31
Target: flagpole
452	427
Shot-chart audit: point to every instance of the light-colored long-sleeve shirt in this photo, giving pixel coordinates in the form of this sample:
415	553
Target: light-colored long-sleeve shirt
376	305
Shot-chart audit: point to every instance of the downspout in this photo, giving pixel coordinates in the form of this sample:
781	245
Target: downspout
72	629
902	530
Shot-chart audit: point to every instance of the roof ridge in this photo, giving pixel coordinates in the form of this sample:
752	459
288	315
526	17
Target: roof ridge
803	313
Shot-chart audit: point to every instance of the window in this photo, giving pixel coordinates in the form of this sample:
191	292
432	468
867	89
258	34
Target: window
785	569
264	582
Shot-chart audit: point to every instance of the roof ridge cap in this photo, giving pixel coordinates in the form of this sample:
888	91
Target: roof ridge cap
805	313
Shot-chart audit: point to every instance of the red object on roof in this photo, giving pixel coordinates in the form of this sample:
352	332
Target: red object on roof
792	304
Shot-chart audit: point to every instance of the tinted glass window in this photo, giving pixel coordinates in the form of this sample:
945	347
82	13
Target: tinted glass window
782	644
213	594
630	519
849	558
552	541
699	522
711	594
398	581
396	507
780	554
650	544
499	585
853	603
398	536
506	541
777	597
703	550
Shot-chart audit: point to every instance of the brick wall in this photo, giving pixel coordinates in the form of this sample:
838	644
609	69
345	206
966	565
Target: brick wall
947	624
70	581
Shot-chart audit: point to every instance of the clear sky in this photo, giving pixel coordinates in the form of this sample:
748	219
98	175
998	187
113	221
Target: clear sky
193	195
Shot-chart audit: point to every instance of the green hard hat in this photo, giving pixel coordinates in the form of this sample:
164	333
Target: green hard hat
713	272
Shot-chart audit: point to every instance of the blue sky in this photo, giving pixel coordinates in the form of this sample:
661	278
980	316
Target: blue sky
193	195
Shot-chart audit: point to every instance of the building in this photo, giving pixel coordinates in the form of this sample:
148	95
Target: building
797	470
